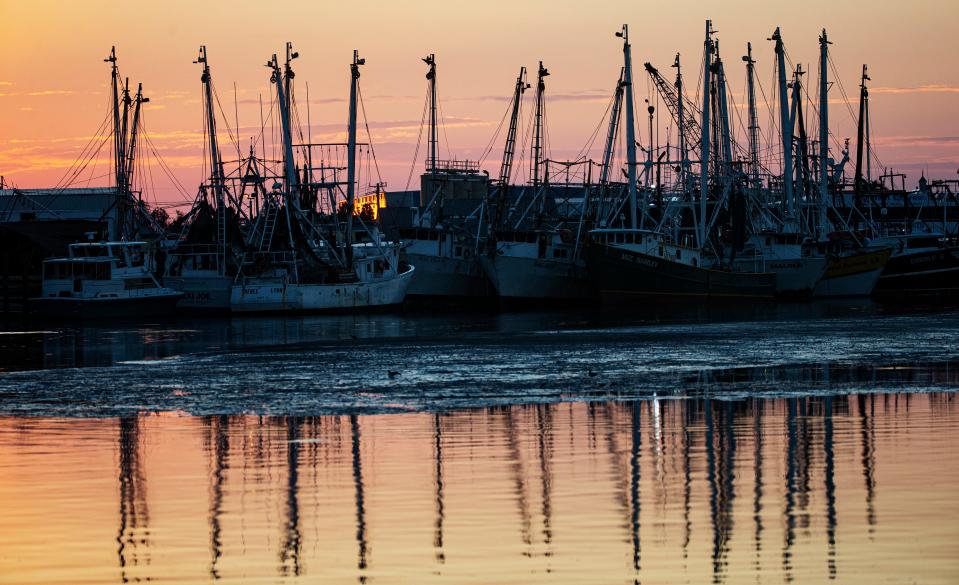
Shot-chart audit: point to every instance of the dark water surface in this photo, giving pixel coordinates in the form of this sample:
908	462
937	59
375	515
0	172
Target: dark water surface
803	443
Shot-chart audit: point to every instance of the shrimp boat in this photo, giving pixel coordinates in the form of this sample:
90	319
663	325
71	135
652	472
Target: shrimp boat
853	272
443	239
103	280
627	263
794	260
921	264
203	258
538	258
299	260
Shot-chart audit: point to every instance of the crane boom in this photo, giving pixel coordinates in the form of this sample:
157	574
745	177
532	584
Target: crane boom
682	113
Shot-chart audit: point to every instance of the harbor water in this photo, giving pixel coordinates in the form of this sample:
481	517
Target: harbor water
782	443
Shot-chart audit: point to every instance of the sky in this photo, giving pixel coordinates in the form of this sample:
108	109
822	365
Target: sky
54	84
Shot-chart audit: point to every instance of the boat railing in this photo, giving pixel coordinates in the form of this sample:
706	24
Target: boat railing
195	250
269	258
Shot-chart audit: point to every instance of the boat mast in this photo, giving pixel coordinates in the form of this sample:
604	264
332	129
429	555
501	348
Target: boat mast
796	121
216	164
705	140
630	126
506	168
351	156
753	118
289	170
117	147
727	148
863	105
131	153
431	76
680	119
823	130
288	163
538	127
787	131
613	127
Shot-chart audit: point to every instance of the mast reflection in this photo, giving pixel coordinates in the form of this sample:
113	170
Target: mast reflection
550	480
219	428
362	545
134	531
292	539
438	481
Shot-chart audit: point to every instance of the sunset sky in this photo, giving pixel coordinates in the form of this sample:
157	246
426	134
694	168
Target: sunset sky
54	83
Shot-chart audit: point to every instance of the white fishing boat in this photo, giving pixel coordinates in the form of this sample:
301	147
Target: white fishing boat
790	256
103	280
536	265
445	265
316	266
195	270
380	281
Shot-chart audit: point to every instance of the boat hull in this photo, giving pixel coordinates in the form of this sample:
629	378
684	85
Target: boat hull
159	305
795	278
623	274
439	276
202	293
522	278
343	297
855	275
934	272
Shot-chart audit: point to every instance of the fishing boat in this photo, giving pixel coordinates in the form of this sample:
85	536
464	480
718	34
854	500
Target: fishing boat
920	264
103	280
449	221
300	260
203	257
625	264
536	264
790	256
853	274
380	281
447	264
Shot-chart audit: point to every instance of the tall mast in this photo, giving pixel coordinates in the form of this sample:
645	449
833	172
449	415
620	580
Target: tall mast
705	144
823	130
351	156
124	131
727	148
753	117
786	127
823	115
216	165
115	89
288	76
506	169
630	126
796	120
613	127
680	119
863	105
289	169
131	152
431	76
538	127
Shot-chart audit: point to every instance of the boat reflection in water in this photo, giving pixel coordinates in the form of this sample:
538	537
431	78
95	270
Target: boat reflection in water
804	489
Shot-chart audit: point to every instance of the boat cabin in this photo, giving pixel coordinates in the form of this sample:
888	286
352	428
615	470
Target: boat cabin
102	269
